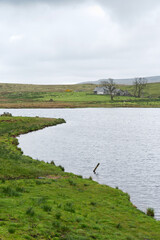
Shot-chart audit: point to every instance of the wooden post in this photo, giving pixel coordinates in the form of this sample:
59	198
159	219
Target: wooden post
96	168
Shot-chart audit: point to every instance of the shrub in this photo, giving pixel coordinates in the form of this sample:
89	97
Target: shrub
47	208
63	229
128	196
30	211
52	162
2	224
41	181
11	230
86	185
27	237
3	180
20	189
79	176
72	183
55	224
93	203
69	207
150	212
79	219
58	215
10	192
83	225
129	238
41	200
96	227
6	114
118	226
68	90
62	168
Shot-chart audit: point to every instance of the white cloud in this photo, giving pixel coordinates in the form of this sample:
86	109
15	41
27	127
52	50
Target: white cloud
48	42
16	38
96	11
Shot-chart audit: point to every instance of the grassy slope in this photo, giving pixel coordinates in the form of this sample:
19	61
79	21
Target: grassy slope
55	96
13	163
7	87
61	205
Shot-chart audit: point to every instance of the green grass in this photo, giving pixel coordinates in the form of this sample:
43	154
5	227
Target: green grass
13	163
18	96
60	205
81	98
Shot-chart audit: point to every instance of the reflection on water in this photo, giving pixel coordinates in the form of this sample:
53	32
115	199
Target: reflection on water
124	141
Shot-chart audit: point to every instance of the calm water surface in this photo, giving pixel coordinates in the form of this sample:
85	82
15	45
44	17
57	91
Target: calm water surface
124	141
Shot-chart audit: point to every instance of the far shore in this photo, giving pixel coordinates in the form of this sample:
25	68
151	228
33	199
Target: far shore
72	105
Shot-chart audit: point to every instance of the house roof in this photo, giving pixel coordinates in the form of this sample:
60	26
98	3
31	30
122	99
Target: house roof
100	89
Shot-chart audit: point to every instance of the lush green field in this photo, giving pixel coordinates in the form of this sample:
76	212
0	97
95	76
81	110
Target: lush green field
41	201
55	96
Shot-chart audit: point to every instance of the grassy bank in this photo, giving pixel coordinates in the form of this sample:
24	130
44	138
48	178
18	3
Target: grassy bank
72	96
13	163
41	201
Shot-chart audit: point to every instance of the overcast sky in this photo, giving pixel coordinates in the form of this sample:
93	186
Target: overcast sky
70	41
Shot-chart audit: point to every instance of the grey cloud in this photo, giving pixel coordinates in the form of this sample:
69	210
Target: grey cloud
129	11
47	42
56	2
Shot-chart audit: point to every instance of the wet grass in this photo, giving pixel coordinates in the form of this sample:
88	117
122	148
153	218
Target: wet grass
60	205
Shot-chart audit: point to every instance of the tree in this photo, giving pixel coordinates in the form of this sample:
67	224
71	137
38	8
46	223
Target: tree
111	86
139	85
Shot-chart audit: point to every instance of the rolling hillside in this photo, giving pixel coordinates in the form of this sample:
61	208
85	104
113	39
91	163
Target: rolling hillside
125	81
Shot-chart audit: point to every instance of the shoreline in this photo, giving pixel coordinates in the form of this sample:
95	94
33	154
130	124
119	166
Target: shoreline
65	206
45	106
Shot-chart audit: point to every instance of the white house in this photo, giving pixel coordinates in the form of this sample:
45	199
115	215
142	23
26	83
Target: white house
105	91
101	90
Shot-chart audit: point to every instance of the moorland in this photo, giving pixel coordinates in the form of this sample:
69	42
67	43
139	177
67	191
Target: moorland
73	96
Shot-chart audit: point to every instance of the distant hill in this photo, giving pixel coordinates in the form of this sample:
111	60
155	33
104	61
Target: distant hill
125	81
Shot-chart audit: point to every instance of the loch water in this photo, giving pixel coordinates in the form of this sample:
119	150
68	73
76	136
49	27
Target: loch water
125	141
